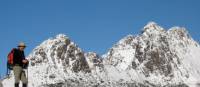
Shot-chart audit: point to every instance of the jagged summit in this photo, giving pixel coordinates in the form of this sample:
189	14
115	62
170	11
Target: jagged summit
155	58
152	27
62	36
180	32
150	24
127	40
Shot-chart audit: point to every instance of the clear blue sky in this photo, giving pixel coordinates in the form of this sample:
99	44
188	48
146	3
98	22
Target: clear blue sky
95	25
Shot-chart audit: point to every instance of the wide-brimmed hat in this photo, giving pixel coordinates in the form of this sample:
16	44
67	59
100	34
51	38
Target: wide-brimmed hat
21	44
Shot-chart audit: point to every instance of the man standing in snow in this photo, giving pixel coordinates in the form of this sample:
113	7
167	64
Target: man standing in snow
18	65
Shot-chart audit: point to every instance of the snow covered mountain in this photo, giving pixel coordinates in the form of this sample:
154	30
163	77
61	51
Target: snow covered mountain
154	58
163	57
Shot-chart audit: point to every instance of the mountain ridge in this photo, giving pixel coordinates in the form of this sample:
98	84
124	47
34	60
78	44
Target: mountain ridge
154	58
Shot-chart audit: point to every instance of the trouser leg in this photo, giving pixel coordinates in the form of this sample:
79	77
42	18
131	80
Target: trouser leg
17	73
16	84
24	78
24	85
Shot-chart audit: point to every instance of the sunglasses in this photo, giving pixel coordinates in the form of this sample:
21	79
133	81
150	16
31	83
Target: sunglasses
22	46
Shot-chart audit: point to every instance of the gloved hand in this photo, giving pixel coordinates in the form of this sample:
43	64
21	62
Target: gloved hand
25	61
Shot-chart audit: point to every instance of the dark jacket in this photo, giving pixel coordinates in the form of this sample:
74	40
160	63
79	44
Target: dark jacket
18	57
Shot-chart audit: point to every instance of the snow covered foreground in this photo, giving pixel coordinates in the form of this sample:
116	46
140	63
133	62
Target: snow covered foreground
154	58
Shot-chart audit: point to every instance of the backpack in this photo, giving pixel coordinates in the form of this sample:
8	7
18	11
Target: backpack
10	60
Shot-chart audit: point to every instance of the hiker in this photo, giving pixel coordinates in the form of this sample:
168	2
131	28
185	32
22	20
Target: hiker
19	63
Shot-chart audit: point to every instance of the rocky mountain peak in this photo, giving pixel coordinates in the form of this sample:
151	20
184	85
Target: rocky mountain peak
152	28
59	52
128	40
154	52
60	36
179	32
